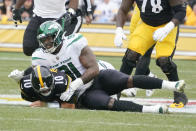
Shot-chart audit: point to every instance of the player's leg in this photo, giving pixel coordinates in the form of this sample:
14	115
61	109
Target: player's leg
142	67
30	42
120	81
100	100
140	42
165	52
129	61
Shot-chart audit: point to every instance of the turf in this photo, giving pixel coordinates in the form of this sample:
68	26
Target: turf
20	118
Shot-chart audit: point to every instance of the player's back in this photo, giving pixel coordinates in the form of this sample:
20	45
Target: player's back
155	12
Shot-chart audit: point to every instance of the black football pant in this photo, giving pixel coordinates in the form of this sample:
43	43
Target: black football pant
110	82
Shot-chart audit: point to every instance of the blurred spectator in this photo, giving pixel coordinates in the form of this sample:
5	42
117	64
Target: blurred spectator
1	2
106	11
191	15
27	10
6	10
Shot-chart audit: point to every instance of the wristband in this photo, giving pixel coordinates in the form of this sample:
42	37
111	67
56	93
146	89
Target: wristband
72	11
53	105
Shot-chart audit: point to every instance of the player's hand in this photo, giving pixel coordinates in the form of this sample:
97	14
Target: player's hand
16	75
38	104
161	33
89	19
16	16
65	96
119	37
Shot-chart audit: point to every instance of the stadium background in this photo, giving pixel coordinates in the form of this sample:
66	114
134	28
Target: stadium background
100	38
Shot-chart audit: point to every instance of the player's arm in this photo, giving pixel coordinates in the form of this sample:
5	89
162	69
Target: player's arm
16	11
179	8
120	21
122	12
73	4
88	60
19	3
88	11
39	103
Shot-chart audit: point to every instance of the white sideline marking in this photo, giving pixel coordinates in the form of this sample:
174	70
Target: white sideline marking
101	123
17	59
189	108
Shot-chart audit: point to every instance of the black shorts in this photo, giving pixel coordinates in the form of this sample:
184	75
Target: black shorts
107	83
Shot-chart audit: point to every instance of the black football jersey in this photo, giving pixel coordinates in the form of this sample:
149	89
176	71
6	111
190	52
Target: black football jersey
155	12
61	81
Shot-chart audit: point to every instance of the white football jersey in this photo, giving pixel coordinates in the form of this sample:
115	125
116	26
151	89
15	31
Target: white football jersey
68	57
49	8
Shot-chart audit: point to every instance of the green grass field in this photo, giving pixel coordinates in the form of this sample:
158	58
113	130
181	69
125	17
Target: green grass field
22	118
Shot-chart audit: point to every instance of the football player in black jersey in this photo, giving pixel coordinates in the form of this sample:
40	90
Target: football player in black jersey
49	85
160	19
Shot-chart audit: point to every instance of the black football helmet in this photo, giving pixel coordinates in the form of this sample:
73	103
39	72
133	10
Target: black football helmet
42	80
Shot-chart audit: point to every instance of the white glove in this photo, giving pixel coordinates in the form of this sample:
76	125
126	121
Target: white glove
161	33
119	37
65	96
16	75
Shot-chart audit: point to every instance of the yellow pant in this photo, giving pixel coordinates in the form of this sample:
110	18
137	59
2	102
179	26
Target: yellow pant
141	40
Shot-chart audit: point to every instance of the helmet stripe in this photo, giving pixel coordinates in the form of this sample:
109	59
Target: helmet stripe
40	76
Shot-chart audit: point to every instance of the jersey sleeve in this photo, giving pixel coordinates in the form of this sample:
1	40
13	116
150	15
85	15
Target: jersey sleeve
77	42
38	58
27	92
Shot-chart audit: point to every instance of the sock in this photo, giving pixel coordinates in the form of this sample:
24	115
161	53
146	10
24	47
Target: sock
169	85
126	106
150	109
145	82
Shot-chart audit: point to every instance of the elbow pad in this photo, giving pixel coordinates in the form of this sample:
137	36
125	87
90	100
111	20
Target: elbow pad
179	12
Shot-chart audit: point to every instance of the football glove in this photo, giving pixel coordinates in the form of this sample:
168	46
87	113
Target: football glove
65	96
161	33
119	37
16	16
16	75
66	18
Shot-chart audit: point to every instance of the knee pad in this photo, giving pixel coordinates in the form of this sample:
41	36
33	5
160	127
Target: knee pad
131	57
166	64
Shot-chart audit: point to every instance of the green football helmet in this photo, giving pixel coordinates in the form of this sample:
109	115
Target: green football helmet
42	80
50	36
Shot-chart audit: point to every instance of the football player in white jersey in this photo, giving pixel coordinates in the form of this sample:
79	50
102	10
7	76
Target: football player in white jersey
43	10
91	86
